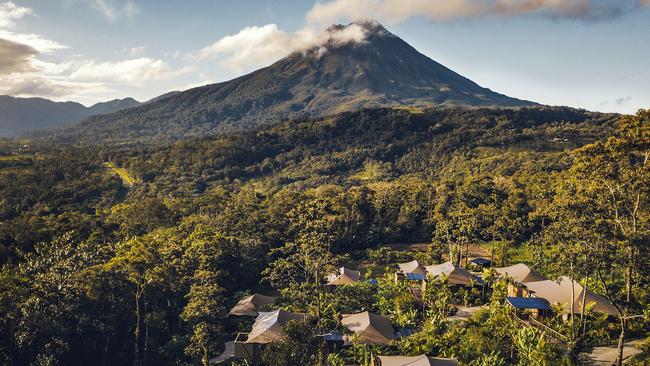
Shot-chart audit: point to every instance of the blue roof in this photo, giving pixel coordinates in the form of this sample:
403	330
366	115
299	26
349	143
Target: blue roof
405	332
373	281
481	261
415	276
333	336
528	303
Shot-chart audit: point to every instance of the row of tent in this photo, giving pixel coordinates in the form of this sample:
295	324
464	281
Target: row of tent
528	284
533	290
368	328
455	275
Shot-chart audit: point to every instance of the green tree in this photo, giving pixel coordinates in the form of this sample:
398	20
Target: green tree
610	187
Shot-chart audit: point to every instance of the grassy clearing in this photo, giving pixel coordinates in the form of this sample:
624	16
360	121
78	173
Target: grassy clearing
16	157
516	253
128	179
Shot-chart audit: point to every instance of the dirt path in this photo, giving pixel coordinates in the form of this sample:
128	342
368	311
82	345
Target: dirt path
606	355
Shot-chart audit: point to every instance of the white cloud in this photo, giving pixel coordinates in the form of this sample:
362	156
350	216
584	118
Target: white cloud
83	79
36	85
23	72
129	71
254	46
260	45
10	12
42	45
396	11
115	10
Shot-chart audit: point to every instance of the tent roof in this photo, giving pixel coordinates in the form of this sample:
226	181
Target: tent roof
344	276
520	273
560	292
412	267
249	305
268	326
370	328
421	360
455	275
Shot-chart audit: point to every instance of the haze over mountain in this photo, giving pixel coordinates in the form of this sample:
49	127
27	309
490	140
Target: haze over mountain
21	115
350	67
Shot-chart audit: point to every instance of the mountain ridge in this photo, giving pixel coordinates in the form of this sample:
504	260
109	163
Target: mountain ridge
336	75
23	115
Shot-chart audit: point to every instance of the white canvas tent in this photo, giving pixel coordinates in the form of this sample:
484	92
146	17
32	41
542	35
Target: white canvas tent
369	328
520	273
268	326
250	305
559	292
344	276
412	267
455	275
421	360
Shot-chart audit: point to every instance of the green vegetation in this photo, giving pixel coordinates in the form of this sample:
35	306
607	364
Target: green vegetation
124	174
94	273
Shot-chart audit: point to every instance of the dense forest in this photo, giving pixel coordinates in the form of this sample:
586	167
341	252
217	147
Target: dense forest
132	254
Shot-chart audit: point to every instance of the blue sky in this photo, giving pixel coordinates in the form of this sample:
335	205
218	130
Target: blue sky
593	54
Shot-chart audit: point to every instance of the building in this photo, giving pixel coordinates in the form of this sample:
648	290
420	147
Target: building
561	292
520	274
421	360
454	275
251	305
344	276
369	328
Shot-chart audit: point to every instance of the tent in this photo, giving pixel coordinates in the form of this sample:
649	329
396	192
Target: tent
559	292
344	276
421	360
412	267
520	273
369	328
268	326
250	305
455	275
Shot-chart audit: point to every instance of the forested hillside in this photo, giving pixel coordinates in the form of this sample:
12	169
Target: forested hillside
373	145
97	271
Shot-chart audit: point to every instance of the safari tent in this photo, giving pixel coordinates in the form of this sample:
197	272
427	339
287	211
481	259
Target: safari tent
268	326
412	267
421	360
520	273
369	328
344	276
559	292
455	275
251	305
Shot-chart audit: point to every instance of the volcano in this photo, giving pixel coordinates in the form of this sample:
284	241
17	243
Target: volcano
332	76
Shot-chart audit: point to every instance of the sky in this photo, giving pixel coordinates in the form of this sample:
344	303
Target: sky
592	54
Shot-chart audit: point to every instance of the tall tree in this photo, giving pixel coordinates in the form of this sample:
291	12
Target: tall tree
610	188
